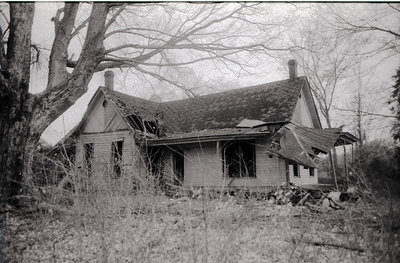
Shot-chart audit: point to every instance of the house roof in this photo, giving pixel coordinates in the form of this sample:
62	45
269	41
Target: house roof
243	113
129	105
270	103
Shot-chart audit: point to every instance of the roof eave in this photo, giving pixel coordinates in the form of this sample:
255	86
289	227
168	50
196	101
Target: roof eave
202	139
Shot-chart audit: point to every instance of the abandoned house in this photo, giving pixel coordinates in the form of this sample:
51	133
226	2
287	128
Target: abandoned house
258	136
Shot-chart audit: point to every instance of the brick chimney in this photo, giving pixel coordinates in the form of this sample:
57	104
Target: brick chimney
109	80
292	70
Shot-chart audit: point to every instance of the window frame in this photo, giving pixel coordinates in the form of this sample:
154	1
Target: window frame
295	169
312	171
117	150
88	154
232	153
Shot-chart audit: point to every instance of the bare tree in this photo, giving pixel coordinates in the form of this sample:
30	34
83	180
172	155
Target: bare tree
113	35
378	26
326	61
380	21
341	37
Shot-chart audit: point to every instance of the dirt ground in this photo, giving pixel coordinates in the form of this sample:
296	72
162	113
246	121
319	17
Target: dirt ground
160	229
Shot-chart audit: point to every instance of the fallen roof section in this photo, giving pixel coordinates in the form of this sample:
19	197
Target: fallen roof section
301	144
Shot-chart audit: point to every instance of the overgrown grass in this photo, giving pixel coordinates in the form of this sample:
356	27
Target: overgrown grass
160	229
129	219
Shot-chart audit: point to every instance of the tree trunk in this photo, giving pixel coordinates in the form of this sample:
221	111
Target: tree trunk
16	148
15	110
23	116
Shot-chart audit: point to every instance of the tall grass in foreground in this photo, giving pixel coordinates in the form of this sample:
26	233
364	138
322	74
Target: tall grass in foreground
100	218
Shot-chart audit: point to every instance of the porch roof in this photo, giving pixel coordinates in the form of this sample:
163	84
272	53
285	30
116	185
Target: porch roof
301	144
210	135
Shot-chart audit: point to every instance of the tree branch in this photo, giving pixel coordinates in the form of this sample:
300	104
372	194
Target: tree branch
19	46
366	113
180	86
55	100
114	17
59	50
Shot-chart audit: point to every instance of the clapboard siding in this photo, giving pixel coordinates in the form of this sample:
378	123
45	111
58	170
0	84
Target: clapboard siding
102	142
203	167
104	117
302	113
305	177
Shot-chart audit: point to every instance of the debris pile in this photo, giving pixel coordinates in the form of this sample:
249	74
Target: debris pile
315	198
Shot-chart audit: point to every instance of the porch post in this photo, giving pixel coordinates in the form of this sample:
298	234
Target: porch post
287	173
333	169
345	165
352	153
219	157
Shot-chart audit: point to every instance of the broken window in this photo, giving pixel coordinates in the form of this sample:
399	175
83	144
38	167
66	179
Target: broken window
88	155
179	167
116	155
239	159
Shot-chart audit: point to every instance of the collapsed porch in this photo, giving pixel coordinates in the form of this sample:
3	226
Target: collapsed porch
282	153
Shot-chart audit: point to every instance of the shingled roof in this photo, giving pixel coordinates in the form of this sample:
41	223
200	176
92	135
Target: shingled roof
129	105
271	103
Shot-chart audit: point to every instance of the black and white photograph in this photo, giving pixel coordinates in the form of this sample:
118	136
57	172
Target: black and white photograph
199	131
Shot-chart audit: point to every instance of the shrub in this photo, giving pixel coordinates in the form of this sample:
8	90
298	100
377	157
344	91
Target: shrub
378	161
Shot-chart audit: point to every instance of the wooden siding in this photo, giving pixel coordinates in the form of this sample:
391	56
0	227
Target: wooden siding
104	118
131	156
302	113
203	167
96	119
305	177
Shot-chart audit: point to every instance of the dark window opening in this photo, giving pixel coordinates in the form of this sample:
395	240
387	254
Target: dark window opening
104	103
270	156
179	167
312	171
239	159
296	172
116	155
142	125
88	155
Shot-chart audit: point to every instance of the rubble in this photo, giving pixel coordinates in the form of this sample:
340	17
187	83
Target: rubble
316	199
